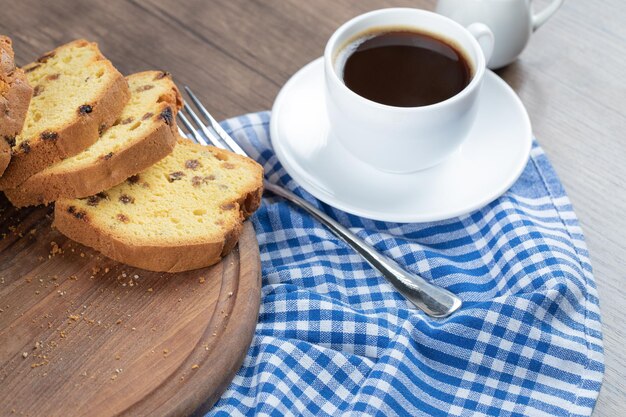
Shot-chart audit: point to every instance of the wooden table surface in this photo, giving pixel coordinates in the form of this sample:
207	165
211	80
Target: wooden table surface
237	54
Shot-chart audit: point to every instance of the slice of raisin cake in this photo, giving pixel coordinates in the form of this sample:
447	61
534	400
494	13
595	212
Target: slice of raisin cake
185	212
77	95
15	94
144	134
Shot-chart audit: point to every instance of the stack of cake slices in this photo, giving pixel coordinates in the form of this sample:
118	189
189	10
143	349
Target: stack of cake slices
105	149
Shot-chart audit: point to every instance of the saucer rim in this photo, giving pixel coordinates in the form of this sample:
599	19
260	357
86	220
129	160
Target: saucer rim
407	217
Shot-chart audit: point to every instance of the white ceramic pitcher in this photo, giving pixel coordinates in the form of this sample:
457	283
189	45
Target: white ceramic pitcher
511	21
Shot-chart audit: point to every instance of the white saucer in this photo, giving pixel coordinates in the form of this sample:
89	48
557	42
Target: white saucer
488	163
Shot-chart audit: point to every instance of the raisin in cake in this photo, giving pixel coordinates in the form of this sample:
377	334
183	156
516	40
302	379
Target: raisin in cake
185	212
77	95
141	136
15	94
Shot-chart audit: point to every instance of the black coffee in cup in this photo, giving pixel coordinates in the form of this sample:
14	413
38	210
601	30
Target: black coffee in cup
404	68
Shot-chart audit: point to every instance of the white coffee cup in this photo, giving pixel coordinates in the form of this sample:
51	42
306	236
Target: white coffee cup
404	139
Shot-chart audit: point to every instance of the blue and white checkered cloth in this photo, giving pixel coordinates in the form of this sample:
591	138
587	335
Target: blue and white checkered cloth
334	338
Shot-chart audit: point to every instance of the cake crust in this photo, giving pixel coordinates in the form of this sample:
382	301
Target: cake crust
15	95
34	154
160	258
84	224
114	167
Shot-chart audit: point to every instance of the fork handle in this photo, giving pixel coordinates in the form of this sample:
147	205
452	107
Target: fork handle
431	299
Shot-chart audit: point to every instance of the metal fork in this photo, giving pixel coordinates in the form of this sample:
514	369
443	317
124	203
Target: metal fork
431	299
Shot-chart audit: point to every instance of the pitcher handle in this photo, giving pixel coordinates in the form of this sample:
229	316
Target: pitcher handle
485	38
542	17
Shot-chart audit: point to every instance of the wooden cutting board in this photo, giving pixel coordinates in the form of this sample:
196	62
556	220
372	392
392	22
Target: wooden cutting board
82	335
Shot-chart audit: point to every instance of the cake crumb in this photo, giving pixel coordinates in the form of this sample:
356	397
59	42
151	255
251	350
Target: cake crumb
37	365
201	280
54	249
195	366
24	355
74	317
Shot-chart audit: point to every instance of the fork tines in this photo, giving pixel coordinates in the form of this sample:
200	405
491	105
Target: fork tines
212	131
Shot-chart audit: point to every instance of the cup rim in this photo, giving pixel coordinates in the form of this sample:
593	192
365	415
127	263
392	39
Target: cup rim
473	84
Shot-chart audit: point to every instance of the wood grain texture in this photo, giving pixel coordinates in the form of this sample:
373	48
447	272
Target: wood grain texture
81	335
237	54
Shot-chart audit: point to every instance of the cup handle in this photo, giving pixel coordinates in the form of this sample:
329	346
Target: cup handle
485	38
542	17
